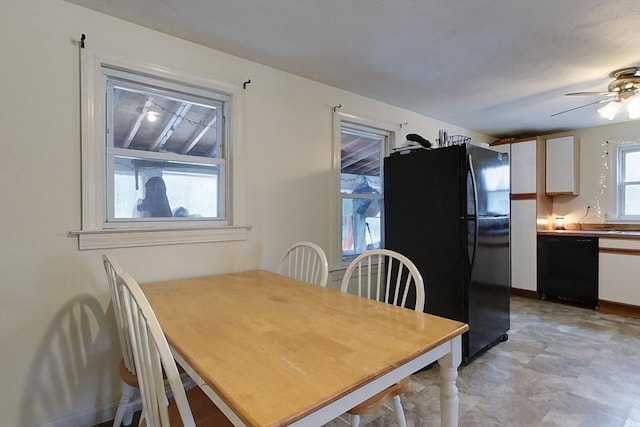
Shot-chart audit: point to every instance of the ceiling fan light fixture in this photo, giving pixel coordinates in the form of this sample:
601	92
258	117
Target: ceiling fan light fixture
633	106
610	110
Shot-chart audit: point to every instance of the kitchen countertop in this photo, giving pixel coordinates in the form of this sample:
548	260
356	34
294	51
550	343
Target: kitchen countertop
609	234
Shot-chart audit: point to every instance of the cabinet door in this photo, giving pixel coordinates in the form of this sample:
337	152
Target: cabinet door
619	273
523	167
563	169
523	244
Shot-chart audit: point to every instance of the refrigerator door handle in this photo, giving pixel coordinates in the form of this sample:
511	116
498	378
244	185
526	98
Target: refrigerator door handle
472	173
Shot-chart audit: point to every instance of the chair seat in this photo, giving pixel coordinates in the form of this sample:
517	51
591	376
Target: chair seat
205	412
131	379
127	376
374	403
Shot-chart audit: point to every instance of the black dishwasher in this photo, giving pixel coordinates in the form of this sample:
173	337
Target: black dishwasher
568	269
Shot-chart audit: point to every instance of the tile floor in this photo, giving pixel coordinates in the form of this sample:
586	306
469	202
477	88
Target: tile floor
562	366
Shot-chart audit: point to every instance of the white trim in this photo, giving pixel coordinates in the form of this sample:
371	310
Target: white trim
169	157
89	417
93	235
614	151
622	151
129	238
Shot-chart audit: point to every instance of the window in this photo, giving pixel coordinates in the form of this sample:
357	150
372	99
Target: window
628	179
362	147
156	156
165	151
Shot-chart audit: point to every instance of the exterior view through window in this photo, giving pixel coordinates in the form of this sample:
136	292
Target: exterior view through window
165	151
362	149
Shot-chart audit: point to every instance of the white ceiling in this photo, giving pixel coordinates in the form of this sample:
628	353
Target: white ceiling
500	67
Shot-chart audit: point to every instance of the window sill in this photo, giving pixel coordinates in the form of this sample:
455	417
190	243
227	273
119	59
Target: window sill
130	238
635	220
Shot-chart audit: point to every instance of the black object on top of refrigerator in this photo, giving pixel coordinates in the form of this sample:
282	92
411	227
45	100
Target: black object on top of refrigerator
447	210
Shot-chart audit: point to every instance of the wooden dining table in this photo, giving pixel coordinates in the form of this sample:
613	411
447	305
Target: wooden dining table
270	350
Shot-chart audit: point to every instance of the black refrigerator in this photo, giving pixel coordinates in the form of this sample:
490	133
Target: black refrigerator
447	209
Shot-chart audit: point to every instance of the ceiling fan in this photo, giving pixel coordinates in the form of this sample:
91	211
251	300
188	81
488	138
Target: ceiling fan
624	89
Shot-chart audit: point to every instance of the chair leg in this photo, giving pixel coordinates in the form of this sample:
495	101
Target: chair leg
355	420
128	416
124	414
402	422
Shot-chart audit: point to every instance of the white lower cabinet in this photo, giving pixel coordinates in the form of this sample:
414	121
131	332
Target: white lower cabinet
523	244
619	272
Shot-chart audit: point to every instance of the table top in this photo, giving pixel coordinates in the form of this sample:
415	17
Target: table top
276	349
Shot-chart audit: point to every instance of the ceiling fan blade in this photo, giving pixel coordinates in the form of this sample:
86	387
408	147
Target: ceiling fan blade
590	94
600	101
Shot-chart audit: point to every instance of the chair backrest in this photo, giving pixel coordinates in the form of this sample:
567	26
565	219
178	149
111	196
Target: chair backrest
152	356
112	268
305	261
387	276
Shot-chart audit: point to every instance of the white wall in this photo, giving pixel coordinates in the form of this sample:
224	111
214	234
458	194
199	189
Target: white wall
59	350
591	171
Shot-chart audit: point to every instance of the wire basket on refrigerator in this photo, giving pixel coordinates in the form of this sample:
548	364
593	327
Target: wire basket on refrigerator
455	140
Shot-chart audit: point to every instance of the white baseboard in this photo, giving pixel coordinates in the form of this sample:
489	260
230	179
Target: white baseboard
99	415
88	418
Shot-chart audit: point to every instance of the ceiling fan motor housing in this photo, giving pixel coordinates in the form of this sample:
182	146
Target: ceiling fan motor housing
626	82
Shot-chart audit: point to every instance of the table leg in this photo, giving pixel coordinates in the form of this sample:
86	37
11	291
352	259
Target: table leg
448	389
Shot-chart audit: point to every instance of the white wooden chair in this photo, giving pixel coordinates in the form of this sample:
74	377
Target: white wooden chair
156	367
128	380
305	261
387	276
126	368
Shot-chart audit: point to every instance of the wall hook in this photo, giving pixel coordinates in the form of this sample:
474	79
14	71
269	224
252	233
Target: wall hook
403	124
244	85
337	107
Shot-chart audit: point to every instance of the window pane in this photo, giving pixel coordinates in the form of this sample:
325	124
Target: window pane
193	194
361	229
127	194
149	121
361	157
632	200
160	189
632	166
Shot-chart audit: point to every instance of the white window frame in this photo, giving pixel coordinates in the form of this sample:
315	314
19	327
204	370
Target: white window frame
616	194
123	78
94	234
337	264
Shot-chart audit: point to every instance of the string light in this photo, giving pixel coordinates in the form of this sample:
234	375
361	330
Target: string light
603	180
152	115
180	116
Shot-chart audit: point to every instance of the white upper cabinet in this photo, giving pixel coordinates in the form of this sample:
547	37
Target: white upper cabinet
563	166
523	167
